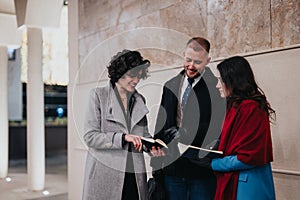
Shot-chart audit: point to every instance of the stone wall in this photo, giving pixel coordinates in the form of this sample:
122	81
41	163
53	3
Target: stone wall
266	32
231	26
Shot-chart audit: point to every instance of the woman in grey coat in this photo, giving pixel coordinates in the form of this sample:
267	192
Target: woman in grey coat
114	124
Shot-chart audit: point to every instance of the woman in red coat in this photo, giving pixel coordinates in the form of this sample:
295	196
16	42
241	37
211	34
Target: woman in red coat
245	170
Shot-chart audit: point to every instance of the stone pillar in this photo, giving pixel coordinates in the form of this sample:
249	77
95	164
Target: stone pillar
35	112
4	112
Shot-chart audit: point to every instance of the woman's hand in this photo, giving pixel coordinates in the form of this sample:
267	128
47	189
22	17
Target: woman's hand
157	152
135	140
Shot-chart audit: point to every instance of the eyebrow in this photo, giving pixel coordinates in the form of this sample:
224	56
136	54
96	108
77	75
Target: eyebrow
196	61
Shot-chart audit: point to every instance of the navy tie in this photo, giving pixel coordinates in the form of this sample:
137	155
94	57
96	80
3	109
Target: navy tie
187	92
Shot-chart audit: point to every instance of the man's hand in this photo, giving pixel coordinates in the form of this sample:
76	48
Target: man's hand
173	133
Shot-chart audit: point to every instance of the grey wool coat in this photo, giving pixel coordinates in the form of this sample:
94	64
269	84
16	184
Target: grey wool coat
106	158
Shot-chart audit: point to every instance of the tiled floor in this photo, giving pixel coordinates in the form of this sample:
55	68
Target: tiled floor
55	181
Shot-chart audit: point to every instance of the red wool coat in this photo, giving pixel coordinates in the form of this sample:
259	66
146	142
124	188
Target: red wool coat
246	133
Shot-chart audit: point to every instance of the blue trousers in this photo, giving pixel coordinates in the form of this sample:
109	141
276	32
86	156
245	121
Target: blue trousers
189	188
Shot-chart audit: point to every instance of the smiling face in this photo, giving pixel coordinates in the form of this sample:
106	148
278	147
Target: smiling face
195	61
128	82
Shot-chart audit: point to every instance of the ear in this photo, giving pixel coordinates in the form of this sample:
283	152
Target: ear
208	60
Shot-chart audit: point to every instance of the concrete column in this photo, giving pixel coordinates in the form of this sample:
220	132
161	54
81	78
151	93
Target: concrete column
4	112
35	112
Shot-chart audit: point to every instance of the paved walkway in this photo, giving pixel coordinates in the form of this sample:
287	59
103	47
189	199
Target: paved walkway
14	187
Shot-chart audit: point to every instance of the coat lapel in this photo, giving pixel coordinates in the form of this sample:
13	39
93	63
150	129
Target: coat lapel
114	111
139	110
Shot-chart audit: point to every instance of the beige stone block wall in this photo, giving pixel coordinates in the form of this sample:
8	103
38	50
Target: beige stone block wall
238	26
160	29
285	22
277	74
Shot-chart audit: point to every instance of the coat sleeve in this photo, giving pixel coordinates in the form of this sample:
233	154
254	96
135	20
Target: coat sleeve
93	136
228	164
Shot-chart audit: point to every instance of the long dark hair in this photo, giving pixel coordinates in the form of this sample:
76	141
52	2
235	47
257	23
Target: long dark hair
239	80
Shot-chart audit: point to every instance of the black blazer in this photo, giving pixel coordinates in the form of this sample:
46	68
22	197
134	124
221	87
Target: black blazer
202	118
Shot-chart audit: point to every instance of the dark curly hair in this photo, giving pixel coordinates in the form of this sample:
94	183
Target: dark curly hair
238	77
127	60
